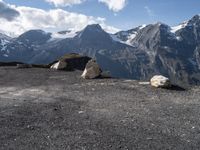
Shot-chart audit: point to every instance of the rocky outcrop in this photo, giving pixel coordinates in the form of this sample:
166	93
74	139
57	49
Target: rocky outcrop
160	81
70	62
92	70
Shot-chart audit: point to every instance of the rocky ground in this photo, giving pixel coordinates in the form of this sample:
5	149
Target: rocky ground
56	110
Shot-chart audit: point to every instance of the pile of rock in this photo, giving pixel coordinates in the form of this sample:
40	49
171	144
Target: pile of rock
73	61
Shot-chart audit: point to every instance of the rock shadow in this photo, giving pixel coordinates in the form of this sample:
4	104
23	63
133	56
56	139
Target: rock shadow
176	88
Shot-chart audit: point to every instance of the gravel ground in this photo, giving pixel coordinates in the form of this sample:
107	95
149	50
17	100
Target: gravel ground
55	110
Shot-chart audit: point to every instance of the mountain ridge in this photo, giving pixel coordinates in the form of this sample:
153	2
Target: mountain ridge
137	53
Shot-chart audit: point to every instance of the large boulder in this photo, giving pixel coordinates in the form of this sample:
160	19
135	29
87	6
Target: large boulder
92	70
70	62
160	81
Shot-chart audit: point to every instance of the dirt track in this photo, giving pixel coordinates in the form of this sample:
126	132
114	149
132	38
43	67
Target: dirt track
50	110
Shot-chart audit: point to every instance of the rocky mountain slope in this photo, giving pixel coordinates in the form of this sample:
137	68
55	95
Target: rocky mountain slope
138	53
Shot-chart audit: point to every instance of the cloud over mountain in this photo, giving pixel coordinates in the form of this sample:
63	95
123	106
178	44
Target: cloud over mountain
6	12
49	20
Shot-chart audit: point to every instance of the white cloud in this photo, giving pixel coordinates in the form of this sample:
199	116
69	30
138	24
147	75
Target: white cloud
63	3
149	11
114	5
51	20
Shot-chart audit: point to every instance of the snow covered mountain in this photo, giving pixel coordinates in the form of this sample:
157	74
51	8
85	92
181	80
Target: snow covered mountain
138	53
127	36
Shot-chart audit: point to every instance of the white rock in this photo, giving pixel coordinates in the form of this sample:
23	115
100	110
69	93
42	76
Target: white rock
160	81
92	70
59	65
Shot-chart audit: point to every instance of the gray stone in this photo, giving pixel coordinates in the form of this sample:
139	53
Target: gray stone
92	70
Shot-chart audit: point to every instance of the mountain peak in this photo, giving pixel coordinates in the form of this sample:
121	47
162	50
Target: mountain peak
93	27
34	32
196	17
93	35
142	26
92	30
161	24
34	36
195	20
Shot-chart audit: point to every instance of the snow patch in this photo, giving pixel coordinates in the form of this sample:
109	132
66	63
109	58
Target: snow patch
142	26
131	37
21	43
115	38
124	33
179	27
165	47
8	34
128	42
192	61
5	55
178	38
4	43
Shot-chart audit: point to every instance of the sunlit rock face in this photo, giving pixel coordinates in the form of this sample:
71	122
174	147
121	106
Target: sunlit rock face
92	70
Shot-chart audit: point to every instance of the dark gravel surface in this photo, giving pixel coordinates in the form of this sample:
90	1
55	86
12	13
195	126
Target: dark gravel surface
54	110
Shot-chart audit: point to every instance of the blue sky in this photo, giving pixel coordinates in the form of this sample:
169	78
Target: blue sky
134	13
